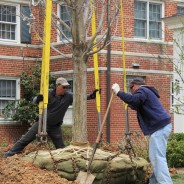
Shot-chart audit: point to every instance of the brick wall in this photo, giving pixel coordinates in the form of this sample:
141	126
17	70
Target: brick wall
135	53
10	133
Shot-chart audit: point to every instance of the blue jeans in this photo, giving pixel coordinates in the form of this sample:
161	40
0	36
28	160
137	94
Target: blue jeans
157	155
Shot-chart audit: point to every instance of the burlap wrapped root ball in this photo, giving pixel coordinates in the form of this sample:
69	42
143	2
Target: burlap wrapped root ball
107	167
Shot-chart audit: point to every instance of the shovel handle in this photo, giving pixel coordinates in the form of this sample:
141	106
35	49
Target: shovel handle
104	120
99	134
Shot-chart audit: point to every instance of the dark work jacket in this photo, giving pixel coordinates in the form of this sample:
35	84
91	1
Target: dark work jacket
57	106
150	112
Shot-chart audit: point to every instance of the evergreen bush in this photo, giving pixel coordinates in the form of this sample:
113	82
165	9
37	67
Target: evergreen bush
175	150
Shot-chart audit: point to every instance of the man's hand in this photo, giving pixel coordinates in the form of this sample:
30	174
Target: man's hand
93	95
115	88
39	99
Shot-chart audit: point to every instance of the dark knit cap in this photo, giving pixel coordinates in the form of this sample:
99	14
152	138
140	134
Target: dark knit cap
137	80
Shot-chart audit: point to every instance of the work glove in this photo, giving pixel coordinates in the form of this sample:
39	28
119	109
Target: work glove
115	88
93	95
39	99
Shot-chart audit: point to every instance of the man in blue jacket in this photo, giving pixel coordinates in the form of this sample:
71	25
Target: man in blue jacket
59	100
154	121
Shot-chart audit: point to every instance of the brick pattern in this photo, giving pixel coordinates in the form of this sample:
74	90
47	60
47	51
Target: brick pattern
11	133
154	61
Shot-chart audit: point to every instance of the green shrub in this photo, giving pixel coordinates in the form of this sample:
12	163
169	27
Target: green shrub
177	136
175	150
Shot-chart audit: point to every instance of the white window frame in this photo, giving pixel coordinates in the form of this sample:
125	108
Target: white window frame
17	97
17	27
147	22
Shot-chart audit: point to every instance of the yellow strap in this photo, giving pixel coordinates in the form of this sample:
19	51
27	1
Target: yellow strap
97	85
45	57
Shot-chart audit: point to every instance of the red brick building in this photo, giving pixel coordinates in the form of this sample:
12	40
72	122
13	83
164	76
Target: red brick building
148	51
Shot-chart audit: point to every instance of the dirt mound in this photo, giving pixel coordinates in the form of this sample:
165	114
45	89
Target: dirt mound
13	170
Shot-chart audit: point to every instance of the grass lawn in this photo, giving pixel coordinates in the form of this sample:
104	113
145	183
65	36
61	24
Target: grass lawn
178	179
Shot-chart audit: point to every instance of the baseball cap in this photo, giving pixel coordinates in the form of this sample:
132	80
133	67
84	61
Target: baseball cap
62	81
137	80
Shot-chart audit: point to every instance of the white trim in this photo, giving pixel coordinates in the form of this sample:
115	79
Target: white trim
15	44
17	1
176	22
17	32
117	70
180	4
149	41
118	38
136	54
7	122
20	58
58	14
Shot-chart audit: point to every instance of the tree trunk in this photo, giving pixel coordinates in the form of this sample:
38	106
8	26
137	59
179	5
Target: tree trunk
79	65
79	103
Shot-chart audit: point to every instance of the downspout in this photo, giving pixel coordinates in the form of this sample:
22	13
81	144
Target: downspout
108	76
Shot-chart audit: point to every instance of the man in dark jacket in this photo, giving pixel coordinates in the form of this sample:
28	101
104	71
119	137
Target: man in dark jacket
59	99
154	122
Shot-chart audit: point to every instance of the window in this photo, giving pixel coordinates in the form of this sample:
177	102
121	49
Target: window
65	16
8	92
70	81
8	22
147	20
180	9
25	24
14	23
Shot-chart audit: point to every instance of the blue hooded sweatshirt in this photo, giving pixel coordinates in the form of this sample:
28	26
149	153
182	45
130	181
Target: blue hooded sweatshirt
150	113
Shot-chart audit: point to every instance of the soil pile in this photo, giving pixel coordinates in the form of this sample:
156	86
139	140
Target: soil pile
14	170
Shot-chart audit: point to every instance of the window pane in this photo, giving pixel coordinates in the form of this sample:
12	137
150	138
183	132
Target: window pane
25	34
8	13
7	22
155	27
180	9
155	30
154	12
140	10
7	31
65	16
140	19
140	28
71	85
7	89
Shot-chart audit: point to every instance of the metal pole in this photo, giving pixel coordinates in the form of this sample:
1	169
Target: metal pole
108	139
